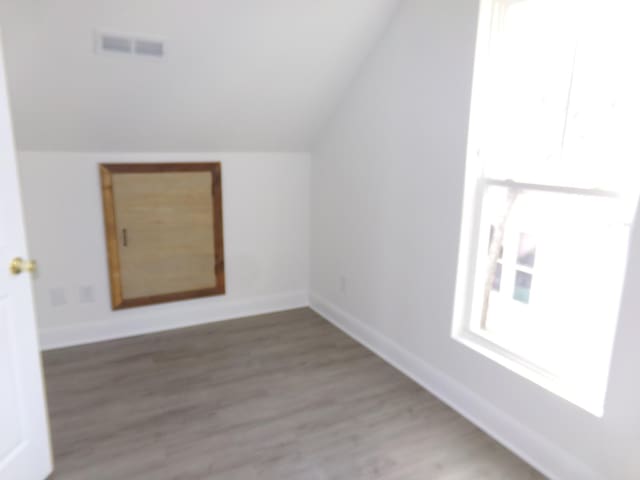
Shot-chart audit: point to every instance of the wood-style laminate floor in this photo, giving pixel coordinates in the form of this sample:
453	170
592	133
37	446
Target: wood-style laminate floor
280	396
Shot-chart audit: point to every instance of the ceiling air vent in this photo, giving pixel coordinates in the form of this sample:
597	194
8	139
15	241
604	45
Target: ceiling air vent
123	44
150	48
114	43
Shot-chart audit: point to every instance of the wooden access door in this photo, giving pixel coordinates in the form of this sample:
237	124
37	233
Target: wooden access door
24	433
164	231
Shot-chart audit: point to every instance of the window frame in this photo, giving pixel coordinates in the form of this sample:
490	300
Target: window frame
489	344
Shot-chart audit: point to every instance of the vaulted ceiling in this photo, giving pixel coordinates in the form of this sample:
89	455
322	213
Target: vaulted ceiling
260	75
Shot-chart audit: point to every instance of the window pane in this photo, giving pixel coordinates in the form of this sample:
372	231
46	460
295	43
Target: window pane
528	84
497	278
527	250
561	108
522	289
552	233
600	146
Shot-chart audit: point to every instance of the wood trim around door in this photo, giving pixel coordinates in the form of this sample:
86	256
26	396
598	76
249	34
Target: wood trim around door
115	279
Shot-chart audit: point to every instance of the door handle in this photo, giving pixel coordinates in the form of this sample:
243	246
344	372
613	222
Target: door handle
18	265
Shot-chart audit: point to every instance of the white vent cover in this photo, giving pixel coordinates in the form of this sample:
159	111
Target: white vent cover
151	48
112	43
123	44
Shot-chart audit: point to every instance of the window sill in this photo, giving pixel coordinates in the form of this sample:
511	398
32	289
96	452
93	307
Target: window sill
583	396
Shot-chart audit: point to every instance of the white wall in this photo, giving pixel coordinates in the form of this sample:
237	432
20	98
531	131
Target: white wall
265	202
387	186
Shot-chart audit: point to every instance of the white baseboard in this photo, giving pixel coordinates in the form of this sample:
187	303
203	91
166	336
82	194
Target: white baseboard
171	316
546	457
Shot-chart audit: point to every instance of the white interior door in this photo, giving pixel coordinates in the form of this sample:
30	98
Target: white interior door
24	435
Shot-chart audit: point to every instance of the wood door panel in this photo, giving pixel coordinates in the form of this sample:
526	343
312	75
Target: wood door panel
164	232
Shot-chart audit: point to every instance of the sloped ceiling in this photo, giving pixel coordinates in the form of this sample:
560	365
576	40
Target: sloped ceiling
252	75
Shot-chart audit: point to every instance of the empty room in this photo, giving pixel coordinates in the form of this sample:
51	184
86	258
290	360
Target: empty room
319	240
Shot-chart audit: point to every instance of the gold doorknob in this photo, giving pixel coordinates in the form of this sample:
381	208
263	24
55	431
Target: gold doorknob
18	265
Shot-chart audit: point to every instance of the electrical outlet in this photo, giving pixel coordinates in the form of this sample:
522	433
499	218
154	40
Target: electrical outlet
85	294
57	297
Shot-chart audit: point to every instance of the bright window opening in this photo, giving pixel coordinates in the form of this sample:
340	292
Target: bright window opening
551	191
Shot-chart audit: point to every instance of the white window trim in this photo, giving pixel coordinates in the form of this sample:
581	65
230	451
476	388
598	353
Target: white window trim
490	344
483	345
486	343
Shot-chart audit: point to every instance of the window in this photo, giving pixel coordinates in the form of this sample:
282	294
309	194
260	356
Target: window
550	193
